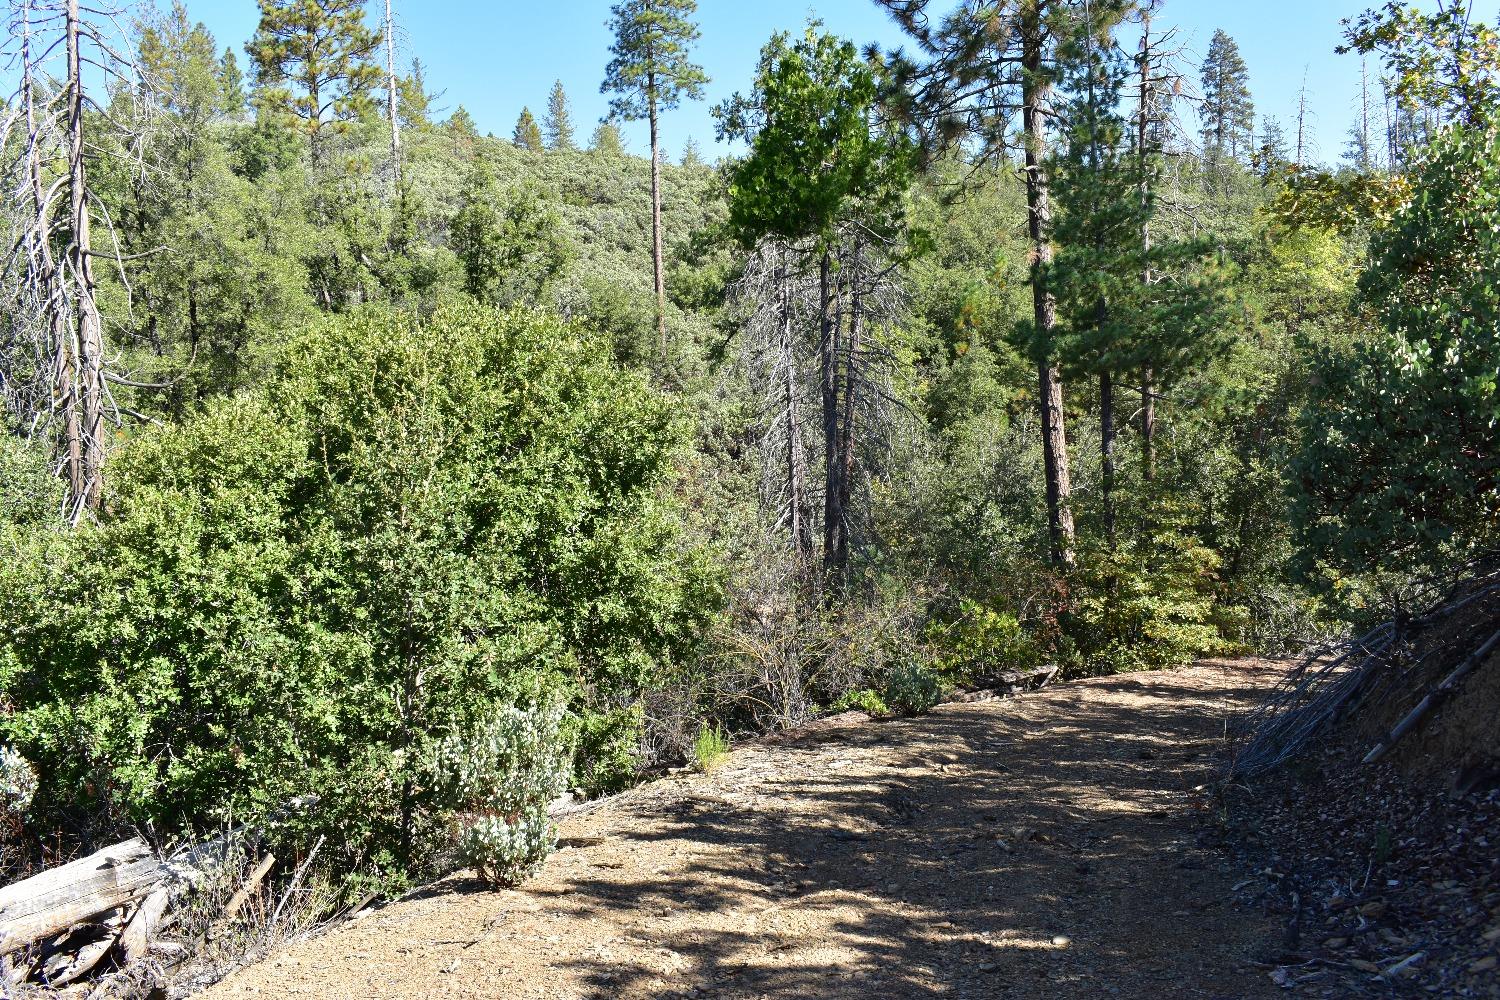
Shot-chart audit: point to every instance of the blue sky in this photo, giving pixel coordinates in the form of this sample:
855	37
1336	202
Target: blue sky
496	56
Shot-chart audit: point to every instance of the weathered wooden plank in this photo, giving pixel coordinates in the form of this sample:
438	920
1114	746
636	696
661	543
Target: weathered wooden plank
57	899
136	938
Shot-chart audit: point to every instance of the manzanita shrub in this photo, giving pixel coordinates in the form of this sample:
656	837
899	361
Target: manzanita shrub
306	590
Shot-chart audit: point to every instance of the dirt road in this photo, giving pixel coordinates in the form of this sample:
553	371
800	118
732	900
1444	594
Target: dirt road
1042	847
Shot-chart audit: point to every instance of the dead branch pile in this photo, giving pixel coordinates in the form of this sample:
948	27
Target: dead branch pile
1401	670
110	911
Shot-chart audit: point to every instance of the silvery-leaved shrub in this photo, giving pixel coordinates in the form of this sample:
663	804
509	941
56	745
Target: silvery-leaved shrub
498	779
17	785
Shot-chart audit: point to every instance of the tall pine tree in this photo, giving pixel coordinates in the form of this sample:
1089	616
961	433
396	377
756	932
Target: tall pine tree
557	127
1228	112
652	72
314	62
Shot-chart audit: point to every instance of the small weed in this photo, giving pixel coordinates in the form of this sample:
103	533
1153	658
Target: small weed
710	747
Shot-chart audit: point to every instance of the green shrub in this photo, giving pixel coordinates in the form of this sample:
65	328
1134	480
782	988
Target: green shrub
607	745
497	779
303	591
983	641
866	700
17	784
912	688
709	747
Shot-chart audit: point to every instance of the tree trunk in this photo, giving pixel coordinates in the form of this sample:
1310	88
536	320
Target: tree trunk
392	96
656	252
1107	451
86	476
796	456
848	434
1036	96
1148	399
828	351
1148	425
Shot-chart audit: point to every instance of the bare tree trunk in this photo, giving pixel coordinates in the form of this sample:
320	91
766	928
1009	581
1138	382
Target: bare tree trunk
86	475
796	456
1035	99
656	251
1148	398
1107	451
828	351
848	435
392	95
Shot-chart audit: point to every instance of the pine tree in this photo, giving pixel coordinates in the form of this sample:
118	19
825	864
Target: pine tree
650	73
313	62
691	156
606	140
1113	322
1012	47
557	127
1272	151
231	85
1228	113
527	134
416	101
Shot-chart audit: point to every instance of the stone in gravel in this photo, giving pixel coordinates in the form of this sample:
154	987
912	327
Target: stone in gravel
1062	940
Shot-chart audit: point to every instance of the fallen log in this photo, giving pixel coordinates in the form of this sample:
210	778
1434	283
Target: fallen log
55	900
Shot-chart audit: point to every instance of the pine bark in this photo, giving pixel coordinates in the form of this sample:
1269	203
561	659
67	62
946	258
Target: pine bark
1036	98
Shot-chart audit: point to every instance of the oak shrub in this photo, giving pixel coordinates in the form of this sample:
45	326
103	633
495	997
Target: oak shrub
304	590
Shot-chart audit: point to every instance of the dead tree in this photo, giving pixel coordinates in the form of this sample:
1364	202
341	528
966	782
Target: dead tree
777	299
810	318
55	328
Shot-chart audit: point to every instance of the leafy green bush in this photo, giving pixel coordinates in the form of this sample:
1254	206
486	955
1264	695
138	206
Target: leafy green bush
866	700
304	590
984	640
912	688
498	779
1149	604
1398	465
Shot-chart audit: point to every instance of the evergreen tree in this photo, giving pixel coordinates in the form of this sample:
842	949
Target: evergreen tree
313	61
606	140
557	127
527	134
1228	113
1113	322
1272	150
511	246
650	73
462	123
231	85
691	157
416	102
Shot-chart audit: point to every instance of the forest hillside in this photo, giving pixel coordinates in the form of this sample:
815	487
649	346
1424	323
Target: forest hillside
371	486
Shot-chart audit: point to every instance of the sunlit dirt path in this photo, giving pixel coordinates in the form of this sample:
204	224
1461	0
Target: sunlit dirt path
1041	847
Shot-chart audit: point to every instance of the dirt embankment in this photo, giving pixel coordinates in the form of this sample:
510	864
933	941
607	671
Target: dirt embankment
1044	847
